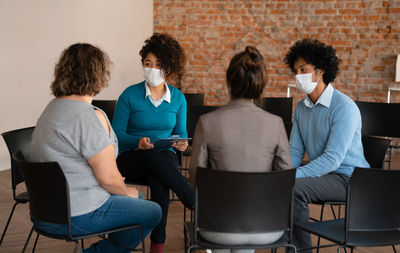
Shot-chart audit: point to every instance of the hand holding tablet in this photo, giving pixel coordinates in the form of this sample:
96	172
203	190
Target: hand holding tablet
165	143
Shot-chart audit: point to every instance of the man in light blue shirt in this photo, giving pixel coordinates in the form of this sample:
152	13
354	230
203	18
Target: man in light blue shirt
326	126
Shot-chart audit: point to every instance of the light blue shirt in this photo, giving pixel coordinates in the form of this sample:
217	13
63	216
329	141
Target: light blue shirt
165	97
330	132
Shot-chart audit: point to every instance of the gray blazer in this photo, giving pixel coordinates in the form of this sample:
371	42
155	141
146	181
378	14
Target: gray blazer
240	137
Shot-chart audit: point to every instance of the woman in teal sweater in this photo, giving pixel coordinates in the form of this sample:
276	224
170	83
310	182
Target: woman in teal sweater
146	112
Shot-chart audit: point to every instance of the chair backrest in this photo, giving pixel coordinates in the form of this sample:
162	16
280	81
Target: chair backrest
373	202
239	202
108	106
47	188
194	98
17	140
281	106
380	119
193	114
375	149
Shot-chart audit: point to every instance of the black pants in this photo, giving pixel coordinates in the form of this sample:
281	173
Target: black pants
331	187
159	170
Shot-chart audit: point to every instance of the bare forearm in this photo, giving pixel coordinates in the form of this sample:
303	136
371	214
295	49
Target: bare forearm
115	186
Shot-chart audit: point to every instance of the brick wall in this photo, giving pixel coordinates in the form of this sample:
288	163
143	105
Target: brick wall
366	35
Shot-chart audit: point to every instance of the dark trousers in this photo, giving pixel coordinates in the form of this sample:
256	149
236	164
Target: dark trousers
330	187
159	170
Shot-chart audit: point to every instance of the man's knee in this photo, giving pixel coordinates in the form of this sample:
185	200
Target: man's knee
301	190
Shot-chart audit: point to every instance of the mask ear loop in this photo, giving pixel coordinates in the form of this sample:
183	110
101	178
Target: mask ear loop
318	77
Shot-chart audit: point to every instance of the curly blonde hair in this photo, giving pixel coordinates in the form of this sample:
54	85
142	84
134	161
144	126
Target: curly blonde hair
82	69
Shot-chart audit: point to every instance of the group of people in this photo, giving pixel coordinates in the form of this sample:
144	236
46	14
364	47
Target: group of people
97	157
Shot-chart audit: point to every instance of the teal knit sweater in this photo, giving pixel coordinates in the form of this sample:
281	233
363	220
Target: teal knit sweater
136	117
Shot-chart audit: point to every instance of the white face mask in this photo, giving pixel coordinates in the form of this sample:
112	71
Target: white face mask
153	77
304	82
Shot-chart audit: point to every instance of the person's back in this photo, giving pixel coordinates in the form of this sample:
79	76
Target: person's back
70	132
241	137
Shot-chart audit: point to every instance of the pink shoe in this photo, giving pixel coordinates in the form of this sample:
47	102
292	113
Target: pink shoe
156	247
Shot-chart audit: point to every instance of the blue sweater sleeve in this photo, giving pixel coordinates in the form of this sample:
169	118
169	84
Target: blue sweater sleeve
180	127
345	120
120	123
297	148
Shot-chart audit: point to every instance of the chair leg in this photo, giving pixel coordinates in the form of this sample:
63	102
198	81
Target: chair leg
143	244
82	244
34	245
394	249
291	246
27	240
339	248
333	212
76	246
321	216
8	222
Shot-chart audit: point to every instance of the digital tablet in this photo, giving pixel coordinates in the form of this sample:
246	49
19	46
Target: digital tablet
165	143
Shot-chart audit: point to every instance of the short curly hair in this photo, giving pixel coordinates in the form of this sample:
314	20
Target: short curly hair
246	74
82	69
314	52
169	53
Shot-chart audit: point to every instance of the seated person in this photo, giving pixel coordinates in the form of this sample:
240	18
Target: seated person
79	137
241	136
146	112
326	126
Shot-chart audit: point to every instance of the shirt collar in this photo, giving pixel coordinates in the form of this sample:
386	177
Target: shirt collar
324	99
165	97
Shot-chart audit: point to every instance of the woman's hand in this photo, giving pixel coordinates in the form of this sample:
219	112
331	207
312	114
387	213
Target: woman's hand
181	146
133	192
144	143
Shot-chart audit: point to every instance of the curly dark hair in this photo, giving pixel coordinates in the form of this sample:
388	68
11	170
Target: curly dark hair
82	69
314	52
169	53
246	74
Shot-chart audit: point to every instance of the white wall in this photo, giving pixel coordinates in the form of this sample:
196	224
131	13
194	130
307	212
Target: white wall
33	34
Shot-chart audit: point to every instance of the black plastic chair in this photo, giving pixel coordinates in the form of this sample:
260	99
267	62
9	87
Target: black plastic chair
380	119
50	202
194	98
238	202
375	149
108	106
372	212
16	140
281	106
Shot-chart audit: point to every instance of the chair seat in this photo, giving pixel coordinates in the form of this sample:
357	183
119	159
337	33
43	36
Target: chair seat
22	197
333	230
189	226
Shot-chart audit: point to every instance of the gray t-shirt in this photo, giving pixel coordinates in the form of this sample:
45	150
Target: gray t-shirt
69	132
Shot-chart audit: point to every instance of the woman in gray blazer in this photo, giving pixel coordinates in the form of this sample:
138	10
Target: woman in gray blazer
241	136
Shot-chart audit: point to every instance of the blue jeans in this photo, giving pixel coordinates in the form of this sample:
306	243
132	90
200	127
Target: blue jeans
116	211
